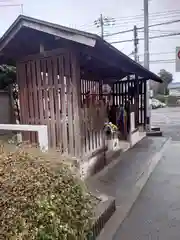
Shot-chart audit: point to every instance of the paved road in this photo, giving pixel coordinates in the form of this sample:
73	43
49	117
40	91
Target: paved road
169	121
156	213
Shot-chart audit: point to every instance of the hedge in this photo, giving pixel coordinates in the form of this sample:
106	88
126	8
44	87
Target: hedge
162	98
42	199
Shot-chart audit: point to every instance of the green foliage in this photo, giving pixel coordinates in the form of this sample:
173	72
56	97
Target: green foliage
167	78
7	75
162	98
172	100
8	78
42	200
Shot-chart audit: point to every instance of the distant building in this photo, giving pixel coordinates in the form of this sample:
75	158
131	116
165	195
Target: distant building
174	89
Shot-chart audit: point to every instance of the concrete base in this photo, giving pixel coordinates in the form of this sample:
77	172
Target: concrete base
136	137
100	160
154	134
155	128
92	163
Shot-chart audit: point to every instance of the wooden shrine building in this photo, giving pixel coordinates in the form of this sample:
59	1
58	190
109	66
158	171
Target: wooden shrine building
56	68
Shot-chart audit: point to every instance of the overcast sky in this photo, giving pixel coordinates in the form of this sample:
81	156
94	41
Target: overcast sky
81	14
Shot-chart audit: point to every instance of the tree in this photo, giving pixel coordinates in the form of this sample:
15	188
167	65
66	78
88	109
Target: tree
7	76
167	78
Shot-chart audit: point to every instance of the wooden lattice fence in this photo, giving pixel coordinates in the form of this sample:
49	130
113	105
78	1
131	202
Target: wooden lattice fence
48	89
52	93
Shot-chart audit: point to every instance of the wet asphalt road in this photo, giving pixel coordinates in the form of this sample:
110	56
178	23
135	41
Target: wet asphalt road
168	119
156	213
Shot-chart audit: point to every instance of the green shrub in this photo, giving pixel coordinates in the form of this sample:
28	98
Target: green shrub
172	100
42	199
162	98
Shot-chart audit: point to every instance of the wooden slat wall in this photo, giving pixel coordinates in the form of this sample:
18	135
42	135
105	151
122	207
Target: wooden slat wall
49	95
93	116
145	106
136	86
121	93
53	93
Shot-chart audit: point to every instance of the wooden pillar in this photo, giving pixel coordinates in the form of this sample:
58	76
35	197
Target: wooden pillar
136	99
23	92
100	89
76	83
145	105
113	93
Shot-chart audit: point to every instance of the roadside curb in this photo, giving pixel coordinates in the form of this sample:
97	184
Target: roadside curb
103	212
121	213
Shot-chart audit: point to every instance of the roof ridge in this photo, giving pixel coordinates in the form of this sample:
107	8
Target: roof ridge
55	25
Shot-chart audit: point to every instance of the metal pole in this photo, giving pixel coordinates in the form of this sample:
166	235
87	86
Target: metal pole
135	44
102	25
146	62
22	10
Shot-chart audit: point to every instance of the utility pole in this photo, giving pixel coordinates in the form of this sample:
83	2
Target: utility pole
103	22
146	34
102	25
22	8
136	41
146	63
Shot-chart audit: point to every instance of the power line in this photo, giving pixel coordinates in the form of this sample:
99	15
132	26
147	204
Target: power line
156	16
164	60
153	25
11	5
152	20
138	22
151	14
162	30
161	61
151	17
130	25
158	53
174	13
153	37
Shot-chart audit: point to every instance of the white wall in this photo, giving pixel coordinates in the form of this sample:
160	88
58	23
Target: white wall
174	92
